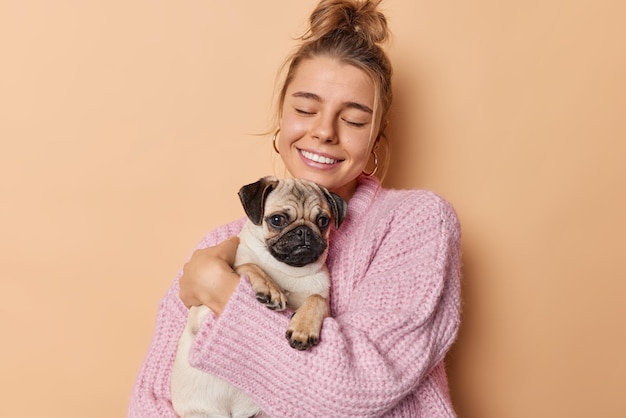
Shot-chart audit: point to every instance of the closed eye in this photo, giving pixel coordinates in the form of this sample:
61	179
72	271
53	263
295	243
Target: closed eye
304	112
355	124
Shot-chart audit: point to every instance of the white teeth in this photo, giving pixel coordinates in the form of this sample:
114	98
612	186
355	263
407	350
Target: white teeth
318	158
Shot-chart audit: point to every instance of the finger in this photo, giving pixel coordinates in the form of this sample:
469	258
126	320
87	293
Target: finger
185	295
228	249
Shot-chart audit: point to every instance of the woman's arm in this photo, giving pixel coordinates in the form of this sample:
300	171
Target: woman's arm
401	320
208	277
151	393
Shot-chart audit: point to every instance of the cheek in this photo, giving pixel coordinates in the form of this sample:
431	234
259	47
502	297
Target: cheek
291	129
270	235
360	152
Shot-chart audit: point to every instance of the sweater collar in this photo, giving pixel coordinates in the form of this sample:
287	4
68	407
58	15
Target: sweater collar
364	195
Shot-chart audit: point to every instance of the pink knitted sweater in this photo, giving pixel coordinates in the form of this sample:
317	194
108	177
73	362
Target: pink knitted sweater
395	302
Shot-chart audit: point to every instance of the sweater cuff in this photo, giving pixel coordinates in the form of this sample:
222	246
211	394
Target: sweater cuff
230	345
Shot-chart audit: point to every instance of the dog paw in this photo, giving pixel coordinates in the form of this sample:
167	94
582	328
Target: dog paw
275	301
305	326
267	291
303	333
301	340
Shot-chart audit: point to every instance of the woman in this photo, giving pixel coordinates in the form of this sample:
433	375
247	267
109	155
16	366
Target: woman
394	263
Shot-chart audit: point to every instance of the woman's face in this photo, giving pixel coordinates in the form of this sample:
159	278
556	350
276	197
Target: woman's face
327	125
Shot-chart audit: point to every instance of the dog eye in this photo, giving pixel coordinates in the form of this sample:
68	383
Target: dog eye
323	221
278	221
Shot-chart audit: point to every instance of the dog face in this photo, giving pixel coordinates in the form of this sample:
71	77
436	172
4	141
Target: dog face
294	217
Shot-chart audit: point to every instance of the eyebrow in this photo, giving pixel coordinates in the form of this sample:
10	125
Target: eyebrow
313	96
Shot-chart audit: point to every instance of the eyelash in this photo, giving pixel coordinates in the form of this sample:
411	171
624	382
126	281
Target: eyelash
355	124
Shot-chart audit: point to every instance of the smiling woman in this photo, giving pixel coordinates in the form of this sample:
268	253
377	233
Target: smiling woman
394	262
327	126
119	148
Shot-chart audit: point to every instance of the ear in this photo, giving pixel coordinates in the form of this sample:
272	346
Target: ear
338	206
253	196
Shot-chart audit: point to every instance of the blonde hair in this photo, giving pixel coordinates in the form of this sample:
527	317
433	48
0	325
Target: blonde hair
351	31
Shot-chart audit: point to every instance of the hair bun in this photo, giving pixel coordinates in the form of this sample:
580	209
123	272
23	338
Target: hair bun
358	17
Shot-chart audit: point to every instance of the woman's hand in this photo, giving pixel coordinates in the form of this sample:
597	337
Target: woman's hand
208	277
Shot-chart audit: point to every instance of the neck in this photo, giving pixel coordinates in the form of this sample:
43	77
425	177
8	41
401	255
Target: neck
347	190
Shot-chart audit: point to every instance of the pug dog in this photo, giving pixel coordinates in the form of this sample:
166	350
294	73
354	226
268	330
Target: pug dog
282	249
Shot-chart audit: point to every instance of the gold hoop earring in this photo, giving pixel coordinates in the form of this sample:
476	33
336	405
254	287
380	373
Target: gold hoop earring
274	141
370	174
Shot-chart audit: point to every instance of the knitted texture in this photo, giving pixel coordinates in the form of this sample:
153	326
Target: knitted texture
395	305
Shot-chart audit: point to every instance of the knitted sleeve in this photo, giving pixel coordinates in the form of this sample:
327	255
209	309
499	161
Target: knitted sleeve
400	320
151	393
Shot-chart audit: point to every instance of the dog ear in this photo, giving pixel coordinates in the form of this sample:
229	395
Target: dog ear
253	196
338	206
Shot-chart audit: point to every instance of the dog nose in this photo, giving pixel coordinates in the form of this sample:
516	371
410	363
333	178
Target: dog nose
304	233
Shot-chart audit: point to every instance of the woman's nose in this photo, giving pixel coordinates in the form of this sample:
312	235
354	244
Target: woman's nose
324	129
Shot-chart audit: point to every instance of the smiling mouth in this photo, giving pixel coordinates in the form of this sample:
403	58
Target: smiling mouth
318	158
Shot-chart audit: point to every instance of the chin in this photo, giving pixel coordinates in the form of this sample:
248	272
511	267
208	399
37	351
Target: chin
322	179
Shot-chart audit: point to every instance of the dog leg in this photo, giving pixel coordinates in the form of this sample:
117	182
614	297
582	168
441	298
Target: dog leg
306	324
267	291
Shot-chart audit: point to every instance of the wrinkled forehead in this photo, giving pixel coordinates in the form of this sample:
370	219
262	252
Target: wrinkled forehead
291	196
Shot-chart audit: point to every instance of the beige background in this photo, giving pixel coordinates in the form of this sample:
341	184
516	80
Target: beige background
126	128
